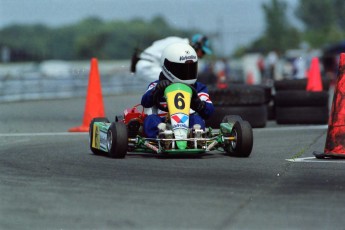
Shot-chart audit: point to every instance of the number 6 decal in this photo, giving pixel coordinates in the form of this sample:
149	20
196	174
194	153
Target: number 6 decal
179	102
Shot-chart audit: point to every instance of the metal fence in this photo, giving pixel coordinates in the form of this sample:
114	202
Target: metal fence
22	82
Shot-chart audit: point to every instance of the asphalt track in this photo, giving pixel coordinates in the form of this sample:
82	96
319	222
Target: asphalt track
50	180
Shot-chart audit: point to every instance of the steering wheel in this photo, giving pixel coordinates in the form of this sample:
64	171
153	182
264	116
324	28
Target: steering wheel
157	95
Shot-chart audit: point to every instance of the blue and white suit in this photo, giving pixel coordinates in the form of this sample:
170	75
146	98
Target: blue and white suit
152	120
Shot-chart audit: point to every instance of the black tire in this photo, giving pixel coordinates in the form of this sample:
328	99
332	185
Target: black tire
231	119
302	115
238	95
117	140
271	114
256	115
290	84
243	144
294	98
298	84
97	119
267	93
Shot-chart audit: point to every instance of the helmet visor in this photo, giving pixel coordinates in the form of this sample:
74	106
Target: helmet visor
182	71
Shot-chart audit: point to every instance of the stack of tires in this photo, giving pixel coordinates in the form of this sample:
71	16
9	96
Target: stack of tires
294	105
248	101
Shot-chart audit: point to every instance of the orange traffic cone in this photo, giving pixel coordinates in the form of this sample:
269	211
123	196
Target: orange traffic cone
314	82
94	101
335	141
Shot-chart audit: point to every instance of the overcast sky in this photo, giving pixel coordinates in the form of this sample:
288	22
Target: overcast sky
239	21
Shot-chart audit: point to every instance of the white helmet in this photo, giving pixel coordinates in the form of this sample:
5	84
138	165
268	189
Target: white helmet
180	63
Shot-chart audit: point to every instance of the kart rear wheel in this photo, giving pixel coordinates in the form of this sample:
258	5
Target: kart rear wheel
117	140
243	144
97	119
231	119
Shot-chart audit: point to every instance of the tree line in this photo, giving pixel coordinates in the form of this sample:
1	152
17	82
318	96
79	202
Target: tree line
91	37
323	23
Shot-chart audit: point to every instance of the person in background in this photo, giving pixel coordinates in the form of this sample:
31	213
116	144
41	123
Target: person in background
146	64
222	70
179	63
271	61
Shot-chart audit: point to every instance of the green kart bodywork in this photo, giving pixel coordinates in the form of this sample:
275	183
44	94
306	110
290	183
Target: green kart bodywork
226	139
234	135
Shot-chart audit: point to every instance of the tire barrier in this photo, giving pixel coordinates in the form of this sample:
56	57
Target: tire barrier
301	107
298	84
248	101
303	101
256	115
237	95
269	101
302	115
267	93
301	98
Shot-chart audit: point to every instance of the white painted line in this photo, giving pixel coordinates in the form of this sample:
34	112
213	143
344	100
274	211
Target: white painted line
42	134
288	128
291	128
315	160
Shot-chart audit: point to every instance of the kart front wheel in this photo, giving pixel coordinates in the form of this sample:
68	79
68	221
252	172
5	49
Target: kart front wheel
97	119
117	140
242	144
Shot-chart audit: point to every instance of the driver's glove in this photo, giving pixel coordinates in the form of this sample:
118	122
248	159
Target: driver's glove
161	85
197	104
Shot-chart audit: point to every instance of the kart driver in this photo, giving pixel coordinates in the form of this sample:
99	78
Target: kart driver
147	65
179	63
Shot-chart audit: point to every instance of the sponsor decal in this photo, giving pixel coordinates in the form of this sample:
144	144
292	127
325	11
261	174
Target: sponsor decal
103	141
179	126
95	138
168	74
179	120
185	58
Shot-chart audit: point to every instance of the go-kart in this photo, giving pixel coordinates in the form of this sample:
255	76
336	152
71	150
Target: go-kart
234	137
